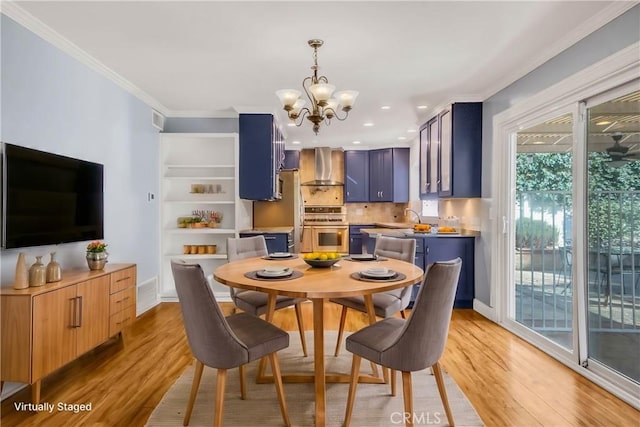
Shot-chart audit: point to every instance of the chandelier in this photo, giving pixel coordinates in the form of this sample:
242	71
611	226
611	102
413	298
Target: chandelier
323	106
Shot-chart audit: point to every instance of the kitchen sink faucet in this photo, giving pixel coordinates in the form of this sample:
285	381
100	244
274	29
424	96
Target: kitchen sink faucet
414	212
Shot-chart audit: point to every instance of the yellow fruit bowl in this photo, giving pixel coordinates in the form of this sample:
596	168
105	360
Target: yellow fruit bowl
321	259
322	263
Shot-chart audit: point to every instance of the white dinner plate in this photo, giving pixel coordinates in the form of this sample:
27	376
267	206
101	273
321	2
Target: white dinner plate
374	274
280	255
274	273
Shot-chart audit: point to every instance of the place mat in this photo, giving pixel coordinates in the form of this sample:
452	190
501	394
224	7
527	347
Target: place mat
279	258
253	275
396	278
380	258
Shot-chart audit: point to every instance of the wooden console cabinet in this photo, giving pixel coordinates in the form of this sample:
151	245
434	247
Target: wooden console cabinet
46	327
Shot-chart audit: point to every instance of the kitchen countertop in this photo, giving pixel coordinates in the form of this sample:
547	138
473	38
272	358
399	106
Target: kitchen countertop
395	224
408	232
259	230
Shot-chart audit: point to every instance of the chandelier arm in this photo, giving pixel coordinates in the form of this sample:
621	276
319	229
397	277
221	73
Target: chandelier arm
303	112
335	114
312	100
323	79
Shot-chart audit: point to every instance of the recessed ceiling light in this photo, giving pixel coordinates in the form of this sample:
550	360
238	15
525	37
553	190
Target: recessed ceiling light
291	124
412	130
422	107
385	107
356	142
402	137
603	122
368	124
295	142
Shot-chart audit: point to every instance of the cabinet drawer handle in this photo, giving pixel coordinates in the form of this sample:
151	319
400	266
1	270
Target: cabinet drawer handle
80	312
74	311
269	238
123	279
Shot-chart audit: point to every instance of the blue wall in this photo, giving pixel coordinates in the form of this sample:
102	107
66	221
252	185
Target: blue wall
52	102
611	38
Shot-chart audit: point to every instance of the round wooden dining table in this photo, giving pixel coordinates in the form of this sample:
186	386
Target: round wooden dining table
317	285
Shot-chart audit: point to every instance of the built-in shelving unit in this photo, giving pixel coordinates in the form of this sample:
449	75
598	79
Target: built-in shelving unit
199	174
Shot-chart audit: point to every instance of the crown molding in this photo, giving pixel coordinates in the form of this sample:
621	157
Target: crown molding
45	32
592	24
213	114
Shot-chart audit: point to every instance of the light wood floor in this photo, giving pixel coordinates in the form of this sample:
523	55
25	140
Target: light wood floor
509	382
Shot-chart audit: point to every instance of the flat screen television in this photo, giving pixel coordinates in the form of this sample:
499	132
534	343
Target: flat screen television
49	198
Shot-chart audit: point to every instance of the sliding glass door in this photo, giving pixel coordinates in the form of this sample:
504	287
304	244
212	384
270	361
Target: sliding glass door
543	287
613	232
571	227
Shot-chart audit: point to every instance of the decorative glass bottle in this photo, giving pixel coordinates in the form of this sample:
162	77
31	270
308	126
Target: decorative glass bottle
21	280
37	273
54	272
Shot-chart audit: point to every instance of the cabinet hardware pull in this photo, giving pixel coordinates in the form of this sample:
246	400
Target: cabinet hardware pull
125	298
123	279
269	238
74	311
80	311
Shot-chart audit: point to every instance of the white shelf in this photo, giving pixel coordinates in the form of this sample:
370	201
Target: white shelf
176	166
201	202
192	178
205	256
201	230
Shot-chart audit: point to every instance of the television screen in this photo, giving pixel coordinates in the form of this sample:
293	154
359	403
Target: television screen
50	199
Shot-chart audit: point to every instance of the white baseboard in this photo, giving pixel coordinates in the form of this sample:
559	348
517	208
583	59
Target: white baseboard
485	310
147	295
9	389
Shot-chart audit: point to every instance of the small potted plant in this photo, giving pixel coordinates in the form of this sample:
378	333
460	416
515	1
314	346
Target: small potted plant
97	255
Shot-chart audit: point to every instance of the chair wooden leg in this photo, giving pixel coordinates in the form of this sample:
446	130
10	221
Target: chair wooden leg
393	382
300	318
353	383
403	314
437	371
243	382
343	319
222	379
408	398
277	379
197	375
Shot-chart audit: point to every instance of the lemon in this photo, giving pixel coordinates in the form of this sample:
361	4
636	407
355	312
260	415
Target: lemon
323	257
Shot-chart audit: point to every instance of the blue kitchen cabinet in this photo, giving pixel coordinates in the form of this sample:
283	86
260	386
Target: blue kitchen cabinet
389	175
356	238
276	242
451	153
291	159
448	248
433	249
356	176
261	156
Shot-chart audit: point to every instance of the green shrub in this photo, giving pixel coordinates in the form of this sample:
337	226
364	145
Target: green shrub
535	233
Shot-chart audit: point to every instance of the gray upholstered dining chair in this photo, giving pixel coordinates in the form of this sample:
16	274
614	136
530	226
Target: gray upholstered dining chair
413	344
254	302
223	343
386	304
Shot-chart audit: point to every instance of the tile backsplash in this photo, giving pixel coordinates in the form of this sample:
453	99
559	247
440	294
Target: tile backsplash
369	213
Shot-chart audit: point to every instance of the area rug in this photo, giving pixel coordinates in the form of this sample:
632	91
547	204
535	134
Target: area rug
374	404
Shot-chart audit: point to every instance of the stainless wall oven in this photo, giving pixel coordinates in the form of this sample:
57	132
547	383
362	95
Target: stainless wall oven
325	229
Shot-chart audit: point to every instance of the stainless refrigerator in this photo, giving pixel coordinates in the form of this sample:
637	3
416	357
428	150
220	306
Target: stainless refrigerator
286	212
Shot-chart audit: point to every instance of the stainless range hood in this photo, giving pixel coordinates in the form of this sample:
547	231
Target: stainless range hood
323	168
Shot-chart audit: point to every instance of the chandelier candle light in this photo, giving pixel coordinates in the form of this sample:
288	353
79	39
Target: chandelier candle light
323	106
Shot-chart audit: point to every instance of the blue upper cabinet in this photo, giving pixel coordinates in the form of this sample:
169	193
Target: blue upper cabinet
261	156
389	175
356	176
451	153
291	159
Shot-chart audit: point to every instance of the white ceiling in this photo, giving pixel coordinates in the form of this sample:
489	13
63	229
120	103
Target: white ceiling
212	58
